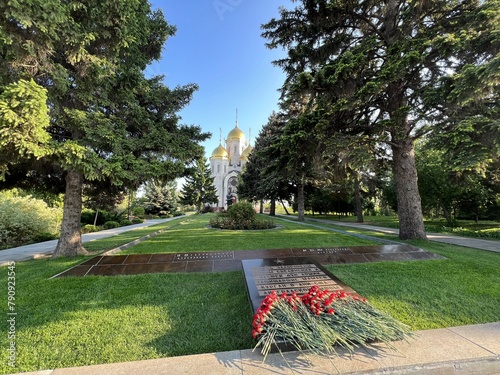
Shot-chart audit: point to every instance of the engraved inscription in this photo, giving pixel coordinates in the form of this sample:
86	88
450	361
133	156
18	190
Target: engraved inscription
288	278
182	257
322	251
287	275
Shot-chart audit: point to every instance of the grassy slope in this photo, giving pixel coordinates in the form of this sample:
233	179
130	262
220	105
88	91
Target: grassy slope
81	321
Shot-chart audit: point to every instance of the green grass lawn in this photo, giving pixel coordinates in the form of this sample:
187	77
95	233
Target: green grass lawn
468	228
80	321
192	234
112	242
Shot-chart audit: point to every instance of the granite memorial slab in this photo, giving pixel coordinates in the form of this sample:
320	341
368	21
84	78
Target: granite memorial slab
297	274
223	261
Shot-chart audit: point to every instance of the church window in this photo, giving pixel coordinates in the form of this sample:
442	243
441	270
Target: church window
224	169
218	168
234	149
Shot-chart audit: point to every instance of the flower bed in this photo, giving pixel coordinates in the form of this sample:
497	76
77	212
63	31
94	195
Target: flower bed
320	320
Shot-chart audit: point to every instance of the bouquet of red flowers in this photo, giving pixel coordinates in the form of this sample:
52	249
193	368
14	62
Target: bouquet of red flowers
320	319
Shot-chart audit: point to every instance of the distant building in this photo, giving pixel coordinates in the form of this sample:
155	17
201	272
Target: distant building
227	163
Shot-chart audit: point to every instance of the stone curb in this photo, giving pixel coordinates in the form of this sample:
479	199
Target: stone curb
481	366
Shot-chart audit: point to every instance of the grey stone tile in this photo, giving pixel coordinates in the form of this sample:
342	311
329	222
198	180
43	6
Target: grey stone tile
486	336
439	345
307	364
226	363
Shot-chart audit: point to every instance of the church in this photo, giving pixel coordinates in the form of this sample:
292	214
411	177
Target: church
227	163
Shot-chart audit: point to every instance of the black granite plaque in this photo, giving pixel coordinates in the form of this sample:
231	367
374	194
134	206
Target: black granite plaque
296	274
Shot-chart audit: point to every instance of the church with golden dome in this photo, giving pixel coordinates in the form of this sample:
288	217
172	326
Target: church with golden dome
227	163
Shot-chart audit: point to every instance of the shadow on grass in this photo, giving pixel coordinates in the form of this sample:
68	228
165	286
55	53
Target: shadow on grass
81	321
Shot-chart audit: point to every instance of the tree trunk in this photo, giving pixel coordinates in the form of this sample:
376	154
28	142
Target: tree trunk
447	215
284	207
300	201
70	241
411	223
272	208
261	209
357	198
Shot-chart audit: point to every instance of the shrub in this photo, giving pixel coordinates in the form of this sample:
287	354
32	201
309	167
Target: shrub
240	216
89	228
111	224
138	211
241	211
125	222
22	219
137	220
88	217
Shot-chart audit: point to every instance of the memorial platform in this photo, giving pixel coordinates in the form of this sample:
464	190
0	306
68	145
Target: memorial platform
223	261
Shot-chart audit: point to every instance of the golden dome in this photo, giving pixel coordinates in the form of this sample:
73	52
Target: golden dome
235	134
219	152
246	152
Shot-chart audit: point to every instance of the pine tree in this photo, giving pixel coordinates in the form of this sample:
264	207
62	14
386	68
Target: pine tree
264	176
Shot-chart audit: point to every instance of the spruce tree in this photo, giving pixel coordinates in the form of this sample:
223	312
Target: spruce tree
107	120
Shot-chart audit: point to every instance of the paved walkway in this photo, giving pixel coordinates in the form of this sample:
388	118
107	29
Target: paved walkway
41	249
467	350
476	243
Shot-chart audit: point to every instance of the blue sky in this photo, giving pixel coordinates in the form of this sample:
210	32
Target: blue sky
218	46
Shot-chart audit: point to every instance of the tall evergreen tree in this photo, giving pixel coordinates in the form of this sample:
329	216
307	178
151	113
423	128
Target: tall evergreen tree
160	197
379	69
298	151
263	177
199	188
107	121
